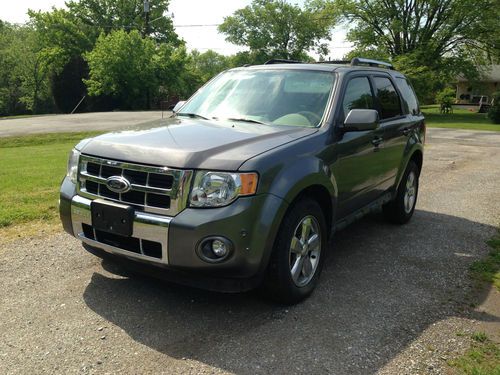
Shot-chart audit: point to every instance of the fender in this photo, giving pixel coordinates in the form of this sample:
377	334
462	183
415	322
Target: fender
413	145
288	184
300	175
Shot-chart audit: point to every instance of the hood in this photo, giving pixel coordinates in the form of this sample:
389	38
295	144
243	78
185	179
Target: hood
193	143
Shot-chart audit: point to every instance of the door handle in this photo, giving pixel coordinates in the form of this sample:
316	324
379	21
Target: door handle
377	141
405	131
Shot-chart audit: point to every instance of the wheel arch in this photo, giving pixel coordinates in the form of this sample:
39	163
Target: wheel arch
418	158
322	196
413	154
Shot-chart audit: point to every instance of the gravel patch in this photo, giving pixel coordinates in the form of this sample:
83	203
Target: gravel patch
392	300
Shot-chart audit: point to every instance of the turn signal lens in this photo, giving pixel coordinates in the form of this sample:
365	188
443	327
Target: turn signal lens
248	183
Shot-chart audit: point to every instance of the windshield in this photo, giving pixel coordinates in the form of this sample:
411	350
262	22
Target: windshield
274	97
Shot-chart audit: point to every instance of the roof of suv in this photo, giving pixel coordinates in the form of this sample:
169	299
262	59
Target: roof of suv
326	67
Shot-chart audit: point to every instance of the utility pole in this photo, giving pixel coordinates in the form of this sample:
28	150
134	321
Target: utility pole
146	18
146	33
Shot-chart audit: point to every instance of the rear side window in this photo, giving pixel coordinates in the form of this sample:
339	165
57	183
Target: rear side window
409	98
358	95
388	98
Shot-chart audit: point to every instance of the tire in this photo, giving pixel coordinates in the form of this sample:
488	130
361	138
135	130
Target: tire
400	210
294	269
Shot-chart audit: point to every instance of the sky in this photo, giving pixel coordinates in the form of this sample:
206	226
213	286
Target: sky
186	13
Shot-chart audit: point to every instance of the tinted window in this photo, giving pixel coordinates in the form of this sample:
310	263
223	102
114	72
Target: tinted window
387	97
358	95
409	98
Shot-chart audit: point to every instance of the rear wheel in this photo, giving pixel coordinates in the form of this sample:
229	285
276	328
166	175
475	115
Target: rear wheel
298	254
401	209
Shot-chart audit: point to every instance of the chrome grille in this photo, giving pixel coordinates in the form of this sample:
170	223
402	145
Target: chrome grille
159	190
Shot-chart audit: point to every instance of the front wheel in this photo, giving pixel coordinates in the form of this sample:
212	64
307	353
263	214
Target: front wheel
299	253
401	209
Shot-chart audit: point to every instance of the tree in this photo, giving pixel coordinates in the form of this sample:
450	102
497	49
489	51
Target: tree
134	69
174	77
494	111
105	16
121	65
430	41
68	34
208	64
277	29
63	34
399	27
24	83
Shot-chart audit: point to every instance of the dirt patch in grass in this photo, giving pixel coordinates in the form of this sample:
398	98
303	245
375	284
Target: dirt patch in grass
34	229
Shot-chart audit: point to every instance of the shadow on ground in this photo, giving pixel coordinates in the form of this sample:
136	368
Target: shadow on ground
382	285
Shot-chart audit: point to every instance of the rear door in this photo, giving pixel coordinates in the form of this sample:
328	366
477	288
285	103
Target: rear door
394	122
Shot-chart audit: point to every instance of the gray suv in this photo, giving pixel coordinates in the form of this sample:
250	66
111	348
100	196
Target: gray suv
248	181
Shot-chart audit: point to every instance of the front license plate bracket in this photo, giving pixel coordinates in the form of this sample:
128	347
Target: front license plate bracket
112	217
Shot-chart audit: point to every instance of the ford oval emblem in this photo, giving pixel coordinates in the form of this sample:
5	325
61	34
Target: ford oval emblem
118	184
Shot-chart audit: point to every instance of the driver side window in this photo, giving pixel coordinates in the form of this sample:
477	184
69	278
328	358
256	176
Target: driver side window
358	95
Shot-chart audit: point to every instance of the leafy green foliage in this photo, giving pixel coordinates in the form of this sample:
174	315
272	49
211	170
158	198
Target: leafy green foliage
135	69
120	65
277	29
401	27
446	97
494	112
208	64
105	16
66	35
24	77
430	41
63	34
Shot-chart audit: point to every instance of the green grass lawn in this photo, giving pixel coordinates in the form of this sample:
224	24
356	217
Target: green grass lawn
31	169
483	358
488	269
14	117
459	119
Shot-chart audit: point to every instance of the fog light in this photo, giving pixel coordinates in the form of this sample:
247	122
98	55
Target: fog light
214	249
219	248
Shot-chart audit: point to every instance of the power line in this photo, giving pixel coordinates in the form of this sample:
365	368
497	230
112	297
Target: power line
209	25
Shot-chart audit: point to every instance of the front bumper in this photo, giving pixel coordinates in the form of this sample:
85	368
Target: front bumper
250	223
146	227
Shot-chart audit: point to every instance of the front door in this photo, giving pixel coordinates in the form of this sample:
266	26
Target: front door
356	167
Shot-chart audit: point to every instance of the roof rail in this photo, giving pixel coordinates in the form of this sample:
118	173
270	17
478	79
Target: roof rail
282	61
362	61
334	62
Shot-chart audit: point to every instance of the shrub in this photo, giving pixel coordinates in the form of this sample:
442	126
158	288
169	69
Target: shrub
494	112
446	97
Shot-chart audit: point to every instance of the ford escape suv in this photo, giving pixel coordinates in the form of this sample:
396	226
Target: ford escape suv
247	182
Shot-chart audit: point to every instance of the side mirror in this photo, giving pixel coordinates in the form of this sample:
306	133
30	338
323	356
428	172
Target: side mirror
178	106
361	120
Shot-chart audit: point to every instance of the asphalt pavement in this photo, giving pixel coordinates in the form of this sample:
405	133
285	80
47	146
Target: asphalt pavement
80	122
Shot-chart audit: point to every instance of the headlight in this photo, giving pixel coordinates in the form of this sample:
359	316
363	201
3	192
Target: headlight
215	189
72	172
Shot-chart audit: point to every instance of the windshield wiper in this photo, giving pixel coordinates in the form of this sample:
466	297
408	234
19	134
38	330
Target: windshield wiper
246	120
192	115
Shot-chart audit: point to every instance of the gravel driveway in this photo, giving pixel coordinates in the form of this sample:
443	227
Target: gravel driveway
391	299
